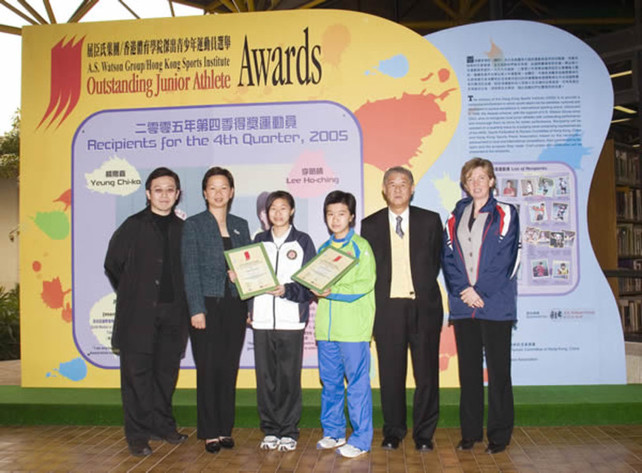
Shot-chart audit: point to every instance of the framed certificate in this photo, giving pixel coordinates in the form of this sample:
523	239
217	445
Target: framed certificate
254	273
325	269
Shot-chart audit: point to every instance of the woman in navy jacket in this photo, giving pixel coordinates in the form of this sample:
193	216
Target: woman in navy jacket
480	259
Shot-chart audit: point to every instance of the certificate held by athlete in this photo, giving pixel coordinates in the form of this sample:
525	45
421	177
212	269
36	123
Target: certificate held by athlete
254	273
324	269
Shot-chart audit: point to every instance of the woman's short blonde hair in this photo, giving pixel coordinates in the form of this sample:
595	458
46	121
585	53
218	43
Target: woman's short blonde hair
471	164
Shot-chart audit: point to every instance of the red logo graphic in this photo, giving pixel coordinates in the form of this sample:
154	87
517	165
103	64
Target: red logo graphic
66	64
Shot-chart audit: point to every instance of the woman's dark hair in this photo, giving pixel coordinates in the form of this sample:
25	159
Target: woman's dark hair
260	202
163	172
218	171
340	197
279	195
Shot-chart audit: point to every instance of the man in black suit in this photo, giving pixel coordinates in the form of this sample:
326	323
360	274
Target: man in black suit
150	329
406	242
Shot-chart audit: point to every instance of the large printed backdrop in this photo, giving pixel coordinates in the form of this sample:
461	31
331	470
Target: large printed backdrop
308	102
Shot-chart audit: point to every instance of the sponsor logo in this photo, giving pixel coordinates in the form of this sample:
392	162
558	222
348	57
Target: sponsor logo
66	63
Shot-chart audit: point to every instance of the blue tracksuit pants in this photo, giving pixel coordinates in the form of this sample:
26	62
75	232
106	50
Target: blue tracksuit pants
352	361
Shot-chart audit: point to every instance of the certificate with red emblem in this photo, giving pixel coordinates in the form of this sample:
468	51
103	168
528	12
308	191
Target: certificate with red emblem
325	269
254	273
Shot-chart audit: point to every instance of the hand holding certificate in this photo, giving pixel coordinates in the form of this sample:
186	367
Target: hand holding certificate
254	273
324	269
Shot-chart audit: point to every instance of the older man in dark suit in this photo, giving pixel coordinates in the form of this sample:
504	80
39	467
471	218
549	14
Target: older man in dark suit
406	242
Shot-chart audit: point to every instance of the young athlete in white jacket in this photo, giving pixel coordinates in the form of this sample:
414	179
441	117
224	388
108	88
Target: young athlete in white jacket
278	320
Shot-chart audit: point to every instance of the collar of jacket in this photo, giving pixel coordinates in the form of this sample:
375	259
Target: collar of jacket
345	240
291	236
488	206
147	212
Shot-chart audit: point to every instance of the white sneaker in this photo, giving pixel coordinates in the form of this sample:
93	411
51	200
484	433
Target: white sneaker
269	442
330	442
287	444
350	451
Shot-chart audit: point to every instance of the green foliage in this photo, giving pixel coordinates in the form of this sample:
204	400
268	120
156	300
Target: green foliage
9	323
10	150
9	166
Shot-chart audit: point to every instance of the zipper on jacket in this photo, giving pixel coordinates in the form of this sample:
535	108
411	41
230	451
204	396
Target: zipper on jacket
329	319
276	272
489	222
461	256
347	240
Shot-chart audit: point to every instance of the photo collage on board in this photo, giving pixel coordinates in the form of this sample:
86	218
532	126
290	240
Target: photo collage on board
544	197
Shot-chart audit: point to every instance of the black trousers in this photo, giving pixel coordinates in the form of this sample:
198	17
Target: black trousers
278	356
475	338
217	353
148	380
397	327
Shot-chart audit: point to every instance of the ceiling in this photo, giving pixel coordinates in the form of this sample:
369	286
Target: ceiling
609	26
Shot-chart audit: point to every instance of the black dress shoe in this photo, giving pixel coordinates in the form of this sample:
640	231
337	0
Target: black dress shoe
226	442
212	447
390	443
424	445
466	444
495	448
174	438
140	448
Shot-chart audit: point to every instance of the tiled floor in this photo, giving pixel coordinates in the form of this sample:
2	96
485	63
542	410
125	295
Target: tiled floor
10	373
542	449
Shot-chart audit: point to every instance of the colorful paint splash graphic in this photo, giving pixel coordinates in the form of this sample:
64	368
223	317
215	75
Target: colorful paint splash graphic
75	370
394	128
54	297
335	40
395	67
65	198
55	224
447	347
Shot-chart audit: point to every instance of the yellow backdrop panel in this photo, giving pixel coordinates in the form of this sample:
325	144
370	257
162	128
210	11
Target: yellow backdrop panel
399	87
